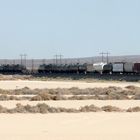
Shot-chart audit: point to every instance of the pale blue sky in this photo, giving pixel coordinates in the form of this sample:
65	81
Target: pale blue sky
74	28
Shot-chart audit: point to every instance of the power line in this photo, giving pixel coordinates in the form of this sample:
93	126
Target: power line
58	58
107	56
25	55
32	65
21	56
23	59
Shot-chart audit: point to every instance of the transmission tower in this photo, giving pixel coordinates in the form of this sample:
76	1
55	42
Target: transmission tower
107	56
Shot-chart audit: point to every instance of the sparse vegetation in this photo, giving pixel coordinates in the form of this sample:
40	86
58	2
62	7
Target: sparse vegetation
44	108
133	109
110	108
110	93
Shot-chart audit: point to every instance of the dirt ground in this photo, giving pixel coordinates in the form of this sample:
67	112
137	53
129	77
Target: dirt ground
61	84
81	126
69	126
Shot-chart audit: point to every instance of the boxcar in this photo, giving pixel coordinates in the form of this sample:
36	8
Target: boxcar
137	67
128	67
118	67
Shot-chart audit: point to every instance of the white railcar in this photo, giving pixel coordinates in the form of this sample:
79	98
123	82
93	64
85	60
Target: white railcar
99	67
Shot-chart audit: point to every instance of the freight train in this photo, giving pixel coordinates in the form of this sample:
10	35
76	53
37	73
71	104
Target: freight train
14	68
102	68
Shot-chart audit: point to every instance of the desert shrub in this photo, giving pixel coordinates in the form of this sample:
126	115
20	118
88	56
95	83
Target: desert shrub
116	96
4	97
67	110
131	87
43	108
42	96
82	97
90	108
32	109
25	91
134	109
136	97
20	108
110	108
4	91
3	109
46	96
36	98
110	93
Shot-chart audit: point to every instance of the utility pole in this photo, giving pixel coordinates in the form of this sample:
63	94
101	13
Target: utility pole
44	61
58	57
32	65
14	62
92	61
25	55
21	56
107	56
102	53
65	61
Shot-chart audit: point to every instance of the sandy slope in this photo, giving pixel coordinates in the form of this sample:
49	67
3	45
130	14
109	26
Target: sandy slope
81	126
61	84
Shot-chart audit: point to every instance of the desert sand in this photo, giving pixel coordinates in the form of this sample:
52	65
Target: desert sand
61	84
81	126
123	104
69	126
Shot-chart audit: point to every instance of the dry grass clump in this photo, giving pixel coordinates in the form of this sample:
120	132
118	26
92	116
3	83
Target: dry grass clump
116	96
90	108
47	96
39	108
44	108
110	93
134	109
131	87
82	98
24	91
6	98
136	97
110	108
3	109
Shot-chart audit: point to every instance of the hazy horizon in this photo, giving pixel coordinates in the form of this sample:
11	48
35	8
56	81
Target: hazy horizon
75	29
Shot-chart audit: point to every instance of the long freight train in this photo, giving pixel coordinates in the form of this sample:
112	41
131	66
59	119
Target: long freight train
102	68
